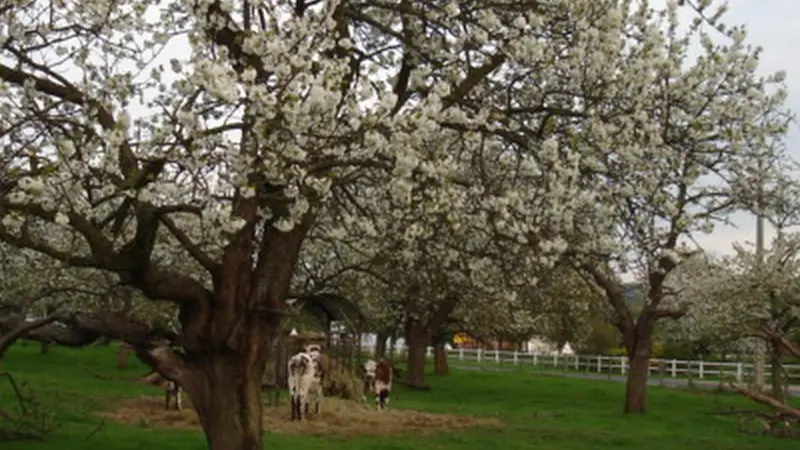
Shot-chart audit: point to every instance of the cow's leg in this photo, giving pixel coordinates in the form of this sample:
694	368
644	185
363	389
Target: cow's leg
178	399
299	406
383	398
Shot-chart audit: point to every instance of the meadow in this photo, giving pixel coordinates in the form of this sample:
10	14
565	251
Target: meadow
521	411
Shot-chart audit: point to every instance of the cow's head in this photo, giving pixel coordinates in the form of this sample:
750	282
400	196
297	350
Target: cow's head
369	368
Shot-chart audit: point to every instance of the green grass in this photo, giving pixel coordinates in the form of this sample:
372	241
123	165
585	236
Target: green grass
539	412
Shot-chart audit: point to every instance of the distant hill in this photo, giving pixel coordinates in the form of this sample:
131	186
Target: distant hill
634	295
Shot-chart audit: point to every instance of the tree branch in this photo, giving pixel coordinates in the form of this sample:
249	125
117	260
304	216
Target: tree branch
194	250
614	293
71	94
670	313
8	338
766	400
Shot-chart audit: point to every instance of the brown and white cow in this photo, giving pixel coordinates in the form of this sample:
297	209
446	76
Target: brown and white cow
378	376
305	381
173	390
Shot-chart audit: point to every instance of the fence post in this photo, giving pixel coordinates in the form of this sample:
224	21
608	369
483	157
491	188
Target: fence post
460	354
480	355
516	357
497	356
535	359
739	372
674	368
700	370
577	362
555	360
599	363
622	364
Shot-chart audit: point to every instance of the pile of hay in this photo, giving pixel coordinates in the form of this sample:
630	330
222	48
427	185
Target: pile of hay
337	417
339	382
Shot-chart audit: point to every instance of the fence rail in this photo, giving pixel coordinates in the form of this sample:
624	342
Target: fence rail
665	368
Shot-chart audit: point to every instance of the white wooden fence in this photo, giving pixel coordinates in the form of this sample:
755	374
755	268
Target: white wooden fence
673	368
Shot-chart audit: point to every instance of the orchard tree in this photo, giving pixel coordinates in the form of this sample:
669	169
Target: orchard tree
744	300
679	137
748	298
752	299
566	306
227	149
700	288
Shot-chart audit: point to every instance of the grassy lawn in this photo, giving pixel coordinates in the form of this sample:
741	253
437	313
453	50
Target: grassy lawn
537	412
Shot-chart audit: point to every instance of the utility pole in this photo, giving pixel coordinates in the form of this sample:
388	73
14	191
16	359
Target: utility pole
759	363
759	356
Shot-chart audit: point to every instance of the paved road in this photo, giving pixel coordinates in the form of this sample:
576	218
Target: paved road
794	391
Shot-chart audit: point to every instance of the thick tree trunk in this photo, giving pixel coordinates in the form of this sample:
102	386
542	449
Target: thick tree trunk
417	341
229	405
229	339
225	388
440	366
380	344
639	348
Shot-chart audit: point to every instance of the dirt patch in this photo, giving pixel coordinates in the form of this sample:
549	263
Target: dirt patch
337	417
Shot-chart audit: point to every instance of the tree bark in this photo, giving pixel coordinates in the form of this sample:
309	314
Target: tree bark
228	403
440	365
417	341
44	348
380	344
638	343
778	391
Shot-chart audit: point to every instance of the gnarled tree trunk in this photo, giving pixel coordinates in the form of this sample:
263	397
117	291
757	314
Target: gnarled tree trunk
639	345
229	335
229	405
225	389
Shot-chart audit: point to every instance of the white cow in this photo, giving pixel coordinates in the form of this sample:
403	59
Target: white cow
305	381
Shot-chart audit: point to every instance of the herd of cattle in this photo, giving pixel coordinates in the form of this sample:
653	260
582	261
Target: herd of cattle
306	374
